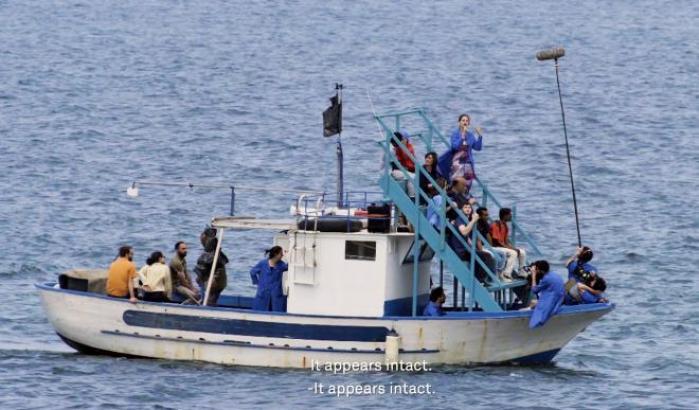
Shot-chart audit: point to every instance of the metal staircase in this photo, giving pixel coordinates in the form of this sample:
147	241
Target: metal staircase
491	296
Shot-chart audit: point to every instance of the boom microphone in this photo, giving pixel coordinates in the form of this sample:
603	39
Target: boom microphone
551	54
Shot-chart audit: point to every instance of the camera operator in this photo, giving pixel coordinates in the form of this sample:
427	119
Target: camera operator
549	289
579	268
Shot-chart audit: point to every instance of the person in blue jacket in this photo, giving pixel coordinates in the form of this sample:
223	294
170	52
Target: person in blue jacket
437	299
579	267
549	290
267	275
458	160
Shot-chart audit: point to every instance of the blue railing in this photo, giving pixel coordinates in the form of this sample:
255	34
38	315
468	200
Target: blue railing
411	209
427	137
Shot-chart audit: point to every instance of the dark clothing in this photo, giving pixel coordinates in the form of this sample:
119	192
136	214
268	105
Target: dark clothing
487	259
461	198
483	228
203	270
464	254
155	297
575	267
424	182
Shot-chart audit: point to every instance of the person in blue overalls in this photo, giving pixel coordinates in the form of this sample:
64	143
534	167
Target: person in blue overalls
267	275
549	291
437	299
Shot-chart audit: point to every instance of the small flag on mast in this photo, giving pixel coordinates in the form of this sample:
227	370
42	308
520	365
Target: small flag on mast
332	117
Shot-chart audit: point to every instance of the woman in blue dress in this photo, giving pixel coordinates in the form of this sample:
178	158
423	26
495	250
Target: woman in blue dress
267	275
458	161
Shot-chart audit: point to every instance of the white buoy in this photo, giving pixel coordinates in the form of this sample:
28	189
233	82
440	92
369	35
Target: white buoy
393	340
132	191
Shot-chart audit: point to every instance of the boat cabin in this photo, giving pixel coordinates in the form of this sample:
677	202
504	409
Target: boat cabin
361	273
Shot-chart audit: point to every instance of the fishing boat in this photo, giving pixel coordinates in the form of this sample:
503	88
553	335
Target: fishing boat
356	287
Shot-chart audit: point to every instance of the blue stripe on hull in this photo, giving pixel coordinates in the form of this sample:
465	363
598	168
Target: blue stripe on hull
565	310
255	328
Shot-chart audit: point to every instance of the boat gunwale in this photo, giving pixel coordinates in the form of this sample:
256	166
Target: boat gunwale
565	310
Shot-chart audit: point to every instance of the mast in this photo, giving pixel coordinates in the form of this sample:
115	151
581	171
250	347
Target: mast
340	159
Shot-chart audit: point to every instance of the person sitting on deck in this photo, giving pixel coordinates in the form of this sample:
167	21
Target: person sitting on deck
430	166
499	234
458	160
204	264
404	160
549	289
484	230
435	204
437	299
464	229
459	193
182	285
267	275
121	275
155	276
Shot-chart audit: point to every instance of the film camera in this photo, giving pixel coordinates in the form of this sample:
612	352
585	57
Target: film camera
582	274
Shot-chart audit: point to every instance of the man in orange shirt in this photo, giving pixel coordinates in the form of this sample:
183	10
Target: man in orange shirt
499	233
121	274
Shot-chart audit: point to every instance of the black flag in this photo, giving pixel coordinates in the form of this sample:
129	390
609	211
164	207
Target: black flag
332	117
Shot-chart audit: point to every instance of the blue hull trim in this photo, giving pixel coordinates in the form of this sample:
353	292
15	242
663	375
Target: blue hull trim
538	358
565	310
240	327
404	306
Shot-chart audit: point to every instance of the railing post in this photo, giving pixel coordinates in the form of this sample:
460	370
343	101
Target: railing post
455	291
472	266
232	200
417	247
514	220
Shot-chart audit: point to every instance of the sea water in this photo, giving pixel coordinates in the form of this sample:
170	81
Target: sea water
95	95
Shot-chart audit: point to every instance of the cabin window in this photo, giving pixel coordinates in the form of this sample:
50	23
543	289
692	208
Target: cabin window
426	253
360	250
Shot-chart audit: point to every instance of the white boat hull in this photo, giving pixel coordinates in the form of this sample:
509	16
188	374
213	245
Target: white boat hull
94	323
